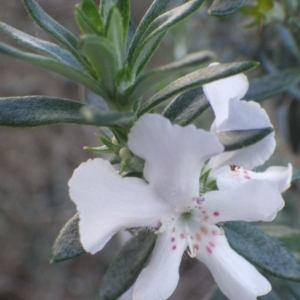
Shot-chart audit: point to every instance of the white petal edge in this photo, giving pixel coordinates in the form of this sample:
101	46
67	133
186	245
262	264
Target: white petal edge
234	275
248	157
255	200
219	93
174	156
106	203
230	179
160	278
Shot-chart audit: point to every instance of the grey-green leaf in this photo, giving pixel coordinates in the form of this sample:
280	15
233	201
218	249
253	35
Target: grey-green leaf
34	111
296	174
195	79
67	245
175	68
56	66
222	8
186	107
127	265
272	84
237	139
262	250
153	34
41	46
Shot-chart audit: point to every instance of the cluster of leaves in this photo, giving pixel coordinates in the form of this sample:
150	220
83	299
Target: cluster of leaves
109	61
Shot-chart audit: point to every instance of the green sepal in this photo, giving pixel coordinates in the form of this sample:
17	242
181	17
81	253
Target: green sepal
41	46
67	245
186	107
111	146
31	111
272	84
178	67
223	8
99	150
195	79
56	66
127	265
262	250
237	139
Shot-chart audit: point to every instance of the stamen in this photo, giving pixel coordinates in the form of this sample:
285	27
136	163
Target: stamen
221	232
159	228
192	253
199	200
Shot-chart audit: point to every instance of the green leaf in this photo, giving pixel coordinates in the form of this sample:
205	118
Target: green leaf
115	35
84	23
145	42
91	11
56	66
58	32
262	250
273	84
127	265
237	139
222	8
101	54
111	146
196	79
149	79
67	245
186	107
34	111
41	46
296	175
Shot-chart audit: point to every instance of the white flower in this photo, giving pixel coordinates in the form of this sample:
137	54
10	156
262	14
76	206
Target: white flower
232	168
170	203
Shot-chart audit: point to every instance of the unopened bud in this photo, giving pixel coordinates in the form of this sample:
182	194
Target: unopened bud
124	153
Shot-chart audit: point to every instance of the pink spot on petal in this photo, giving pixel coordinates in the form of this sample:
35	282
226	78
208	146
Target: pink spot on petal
216	213
247	177
196	246
208	250
181	235
173	229
172	239
212	244
174	247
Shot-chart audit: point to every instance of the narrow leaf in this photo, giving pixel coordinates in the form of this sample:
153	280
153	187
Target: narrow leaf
56	66
41	46
155	31
67	245
222	8
262	250
84	23
273	84
296	174
113	147
101	54
91	11
237	139
127	265
179	66
34	111
195	79
186	107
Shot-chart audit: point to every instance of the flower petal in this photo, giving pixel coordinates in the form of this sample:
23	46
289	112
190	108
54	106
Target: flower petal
221	91
248	157
255	200
174	155
159	279
107	202
234	275
232	177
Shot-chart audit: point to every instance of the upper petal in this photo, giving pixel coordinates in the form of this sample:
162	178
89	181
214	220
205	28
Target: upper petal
234	275
159	279
173	155
220	92
232	177
255	200
107	203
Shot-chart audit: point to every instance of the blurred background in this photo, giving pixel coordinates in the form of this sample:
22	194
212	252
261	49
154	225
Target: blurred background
36	164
